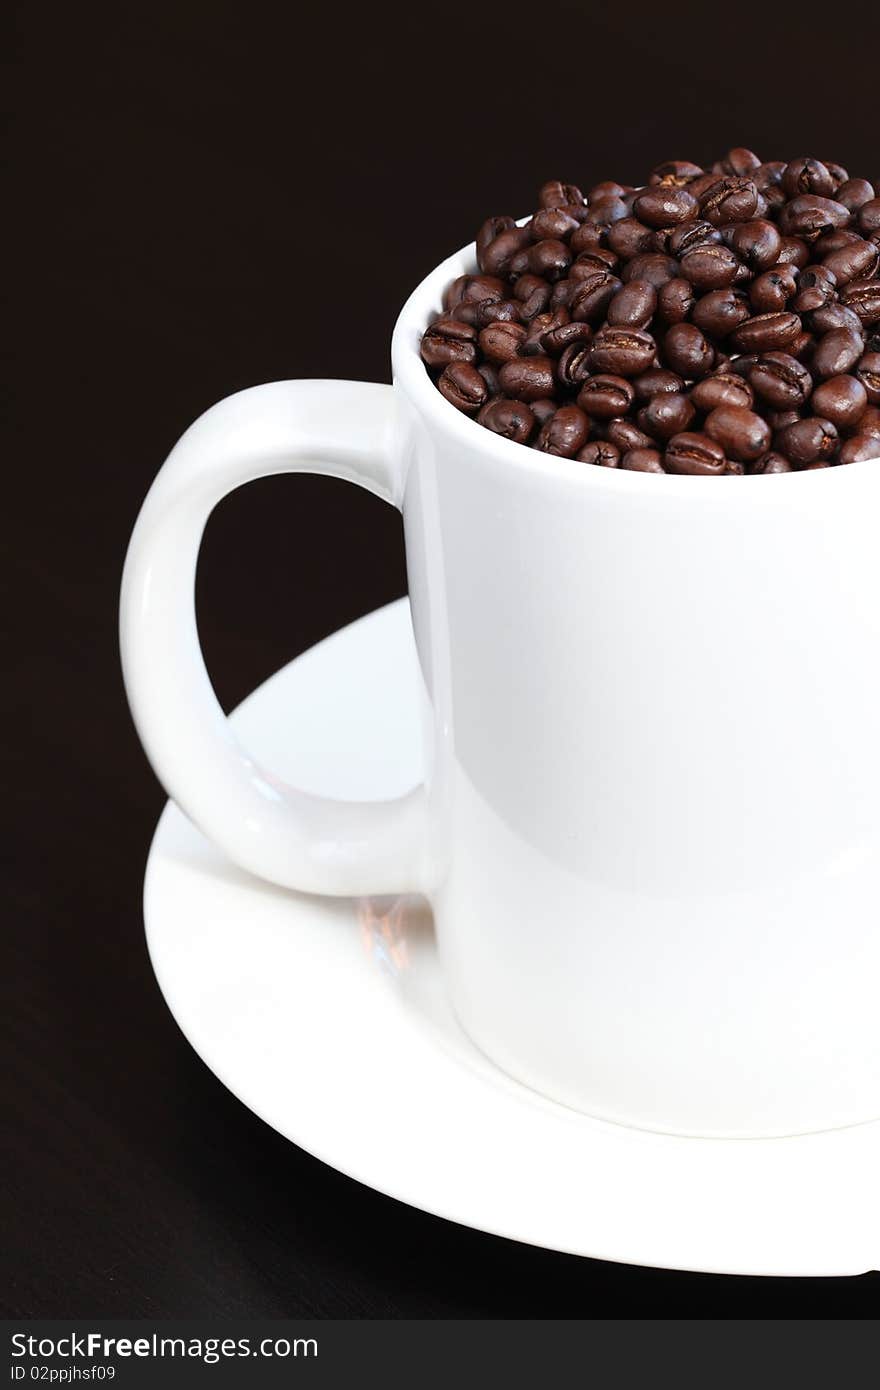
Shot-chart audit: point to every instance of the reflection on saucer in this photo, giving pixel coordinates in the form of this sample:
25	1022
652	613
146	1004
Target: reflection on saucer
382	925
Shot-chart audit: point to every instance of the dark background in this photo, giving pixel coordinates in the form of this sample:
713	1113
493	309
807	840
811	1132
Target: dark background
206	196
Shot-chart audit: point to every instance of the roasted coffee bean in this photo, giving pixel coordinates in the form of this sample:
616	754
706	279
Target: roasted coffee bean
559	195
543	408
592	296
771	462
778	419
642	460
780	380
863	297
766	333
840	399
532	345
550	259
634	306
462	385
719	312
494	311
807	176
604	212
741	433
623	351
675	300
553	224
729	200
694	453
860	448
740	161
856	261
664	206
687	236
722	388
653	267
870	422
808	440
605	397
656	381
629	237
867	371
490	376
491	228
626	435
535	303
666	415
832	316
564	433
600	452
574	364
709	267
675	173
597	258
809	216
448	340
527	378
836	353
512	419
687	351
769	293
559	336
527	285
501	342
585	238
869	217
758	243
793	252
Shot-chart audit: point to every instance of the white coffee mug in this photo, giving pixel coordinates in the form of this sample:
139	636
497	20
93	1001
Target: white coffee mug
650	826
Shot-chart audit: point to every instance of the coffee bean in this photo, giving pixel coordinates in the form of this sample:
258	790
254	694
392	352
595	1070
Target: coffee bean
666	415
856	261
722	388
586	238
653	267
559	336
634	306
741	433
840	399
807	176
559	195
501	342
808	440
687	236
511	419
769	293
780	380
675	300
869	217
448	340
574	364
719	312
793	252
832	316
675	173
605	397
462	385
663	206
527	378
771	462
600	452
642	460
758	243
694	453
861	448
552	224
593	295
623	351
867	371
550	259
629	237
687	351
870	422
656	381
863	297
729	200
809	216
709	267
543	408
626	435
836	353
532	345
564	433
766	332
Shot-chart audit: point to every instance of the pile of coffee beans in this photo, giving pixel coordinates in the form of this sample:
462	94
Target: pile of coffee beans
713	321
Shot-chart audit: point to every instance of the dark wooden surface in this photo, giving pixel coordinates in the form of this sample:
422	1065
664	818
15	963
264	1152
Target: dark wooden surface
206	196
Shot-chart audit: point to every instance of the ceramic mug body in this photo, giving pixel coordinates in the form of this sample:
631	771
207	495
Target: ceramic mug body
650	830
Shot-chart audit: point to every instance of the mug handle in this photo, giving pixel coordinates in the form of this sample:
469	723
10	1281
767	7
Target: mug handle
344	429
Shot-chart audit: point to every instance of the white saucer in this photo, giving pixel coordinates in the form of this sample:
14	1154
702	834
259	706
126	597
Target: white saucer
327	1018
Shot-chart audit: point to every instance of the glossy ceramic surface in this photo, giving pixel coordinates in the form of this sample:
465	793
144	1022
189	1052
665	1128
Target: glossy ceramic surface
330	1020
649	826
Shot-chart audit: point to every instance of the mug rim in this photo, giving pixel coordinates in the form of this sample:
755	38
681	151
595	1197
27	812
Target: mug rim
410	372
